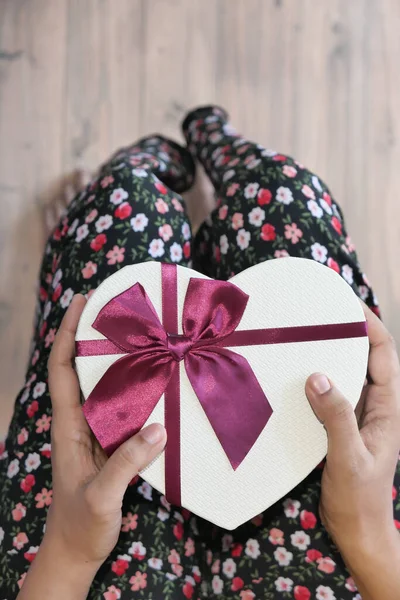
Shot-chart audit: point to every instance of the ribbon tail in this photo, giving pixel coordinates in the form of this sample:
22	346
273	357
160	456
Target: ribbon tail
231	397
124	398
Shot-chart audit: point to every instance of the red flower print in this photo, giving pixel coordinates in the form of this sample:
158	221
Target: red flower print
268	232
336	224
20	540
394	493
257	520
123	211
45	450
326	565
313	555
43	294
32	408
237	584
264	197
57	235
397	524
119	566
327	198
98	242
43	498
30	555
186	249
307	519
160	187
43	329
178	530
188	590
279	157
332	264
57	293
237	550
301	593
27	483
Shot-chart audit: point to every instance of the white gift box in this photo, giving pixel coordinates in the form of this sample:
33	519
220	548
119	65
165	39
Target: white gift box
283	293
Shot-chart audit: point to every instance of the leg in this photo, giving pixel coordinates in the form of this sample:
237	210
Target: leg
126	215
269	206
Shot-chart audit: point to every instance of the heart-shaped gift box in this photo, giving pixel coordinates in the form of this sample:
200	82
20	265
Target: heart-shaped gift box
223	366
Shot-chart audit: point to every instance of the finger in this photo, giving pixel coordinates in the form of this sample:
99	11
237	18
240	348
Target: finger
63	382
336	413
128	460
383	365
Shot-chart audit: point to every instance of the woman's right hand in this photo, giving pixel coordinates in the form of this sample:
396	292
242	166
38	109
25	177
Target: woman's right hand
356	504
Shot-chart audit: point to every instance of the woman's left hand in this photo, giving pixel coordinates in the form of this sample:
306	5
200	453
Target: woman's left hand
84	520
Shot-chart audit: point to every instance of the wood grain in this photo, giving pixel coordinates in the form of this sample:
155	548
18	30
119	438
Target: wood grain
315	79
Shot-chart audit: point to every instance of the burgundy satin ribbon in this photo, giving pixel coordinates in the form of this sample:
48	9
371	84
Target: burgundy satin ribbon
223	380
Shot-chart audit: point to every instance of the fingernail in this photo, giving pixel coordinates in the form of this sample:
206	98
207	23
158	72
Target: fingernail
153	433
321	384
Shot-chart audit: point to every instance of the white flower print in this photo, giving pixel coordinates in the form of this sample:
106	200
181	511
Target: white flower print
315	209
39	389
243	239
186	231
215	137
325	206
66	298
283	557
146	490
319	252
291	508
284	584
156	248
347	274
24	396
139	222
251	190
57	278
162	514
13	468
228	175
268	152
176	252
229	567
165	503
316	183
300	540
256	216
139	173
284	195
363	291
1	535
82	232
324	593
155	563
104	223
73	226
252	548
217	584
47	310
254	163
118	195
32	462
223	244
137	550
226	541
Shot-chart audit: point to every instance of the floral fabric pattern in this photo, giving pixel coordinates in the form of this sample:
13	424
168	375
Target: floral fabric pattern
269	206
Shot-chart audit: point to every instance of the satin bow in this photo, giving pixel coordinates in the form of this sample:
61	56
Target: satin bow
222	380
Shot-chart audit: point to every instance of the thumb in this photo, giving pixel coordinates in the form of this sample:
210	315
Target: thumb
334	412
131	457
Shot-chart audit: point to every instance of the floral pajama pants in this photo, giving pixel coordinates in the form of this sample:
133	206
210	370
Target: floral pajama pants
268	206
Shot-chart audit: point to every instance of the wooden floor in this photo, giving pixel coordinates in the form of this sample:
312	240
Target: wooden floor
319	80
